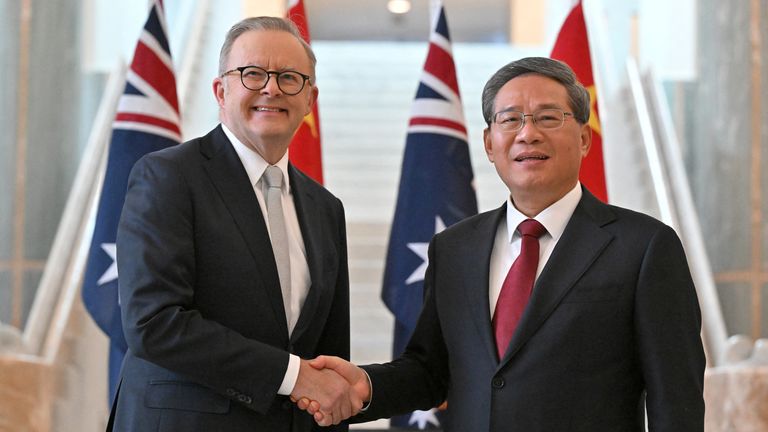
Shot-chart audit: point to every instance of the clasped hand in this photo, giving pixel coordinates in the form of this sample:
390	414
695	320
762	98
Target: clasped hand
331	389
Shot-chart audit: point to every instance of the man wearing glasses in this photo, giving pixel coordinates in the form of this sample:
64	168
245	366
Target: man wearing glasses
232	263
554	312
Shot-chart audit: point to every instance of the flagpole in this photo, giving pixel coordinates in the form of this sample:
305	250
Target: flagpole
434	9
437	138
305	150
156	125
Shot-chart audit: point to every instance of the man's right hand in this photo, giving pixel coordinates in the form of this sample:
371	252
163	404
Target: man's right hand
355	377
333	398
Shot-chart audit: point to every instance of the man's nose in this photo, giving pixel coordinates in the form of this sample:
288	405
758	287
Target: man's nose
271	88
530	132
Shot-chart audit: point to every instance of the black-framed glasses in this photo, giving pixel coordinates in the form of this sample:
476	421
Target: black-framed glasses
255	78
511	120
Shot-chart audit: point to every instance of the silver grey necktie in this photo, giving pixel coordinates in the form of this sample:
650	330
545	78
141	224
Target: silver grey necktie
279	235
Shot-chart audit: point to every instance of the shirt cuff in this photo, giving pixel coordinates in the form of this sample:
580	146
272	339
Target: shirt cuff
291	375
370	386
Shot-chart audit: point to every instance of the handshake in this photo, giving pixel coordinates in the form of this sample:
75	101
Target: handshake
331	389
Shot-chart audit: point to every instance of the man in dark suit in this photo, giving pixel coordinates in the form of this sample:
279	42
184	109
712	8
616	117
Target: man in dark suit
232	263
611	323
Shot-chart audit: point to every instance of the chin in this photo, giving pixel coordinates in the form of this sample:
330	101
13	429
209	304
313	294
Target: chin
266	131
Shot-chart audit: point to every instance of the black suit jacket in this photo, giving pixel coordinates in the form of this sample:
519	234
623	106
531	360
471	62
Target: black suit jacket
202	309
613	315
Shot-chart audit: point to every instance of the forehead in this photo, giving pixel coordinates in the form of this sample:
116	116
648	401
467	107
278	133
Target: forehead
273	49
532	91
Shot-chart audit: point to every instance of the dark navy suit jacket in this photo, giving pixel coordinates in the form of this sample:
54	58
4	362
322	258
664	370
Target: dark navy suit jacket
201	303
613	316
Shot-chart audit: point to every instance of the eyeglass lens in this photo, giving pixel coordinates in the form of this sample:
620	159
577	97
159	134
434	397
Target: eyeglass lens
256	78
545	119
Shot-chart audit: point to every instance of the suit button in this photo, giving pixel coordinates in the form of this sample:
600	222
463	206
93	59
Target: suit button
497	382
242	398
231	392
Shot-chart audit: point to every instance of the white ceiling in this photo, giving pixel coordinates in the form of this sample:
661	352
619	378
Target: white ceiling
468	21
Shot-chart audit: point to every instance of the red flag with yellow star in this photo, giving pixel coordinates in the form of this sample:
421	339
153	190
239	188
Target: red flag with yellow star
305	151
572	47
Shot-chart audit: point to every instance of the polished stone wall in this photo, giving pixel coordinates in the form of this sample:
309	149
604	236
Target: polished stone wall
9	54
60	103
717	130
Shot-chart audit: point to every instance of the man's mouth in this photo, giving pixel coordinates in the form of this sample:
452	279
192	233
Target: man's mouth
268	109
523	158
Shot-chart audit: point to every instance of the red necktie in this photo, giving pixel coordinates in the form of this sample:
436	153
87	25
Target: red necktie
517	286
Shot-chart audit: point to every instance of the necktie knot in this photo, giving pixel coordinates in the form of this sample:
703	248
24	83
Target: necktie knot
273	176
531	227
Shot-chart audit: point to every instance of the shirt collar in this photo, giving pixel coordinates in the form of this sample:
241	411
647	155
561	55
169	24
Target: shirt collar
554	218
254	164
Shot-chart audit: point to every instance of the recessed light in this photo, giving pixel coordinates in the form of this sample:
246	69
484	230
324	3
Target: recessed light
399	6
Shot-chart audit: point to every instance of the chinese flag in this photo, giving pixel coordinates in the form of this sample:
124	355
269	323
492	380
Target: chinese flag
572	47
305	151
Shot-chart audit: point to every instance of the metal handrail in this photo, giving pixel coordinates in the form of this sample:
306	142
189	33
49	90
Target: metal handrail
675	201
65	260
659	175
716	335
60	284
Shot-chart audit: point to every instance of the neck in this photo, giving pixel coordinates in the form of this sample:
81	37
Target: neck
271	149
530	209
271	153
531	203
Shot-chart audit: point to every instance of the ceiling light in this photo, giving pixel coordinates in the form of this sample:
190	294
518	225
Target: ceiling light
399	6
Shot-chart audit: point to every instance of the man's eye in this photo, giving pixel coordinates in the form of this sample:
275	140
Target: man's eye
289	78
254	74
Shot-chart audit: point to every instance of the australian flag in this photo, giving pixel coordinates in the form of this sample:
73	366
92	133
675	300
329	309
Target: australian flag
435	191
147	119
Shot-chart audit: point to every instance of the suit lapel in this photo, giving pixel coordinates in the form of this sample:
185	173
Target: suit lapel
581	243
231	181
311	223
477	247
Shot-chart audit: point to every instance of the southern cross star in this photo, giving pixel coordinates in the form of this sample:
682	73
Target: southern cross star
422	418
111	273
421	249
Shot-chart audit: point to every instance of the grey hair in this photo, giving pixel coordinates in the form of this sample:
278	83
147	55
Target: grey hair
578	96
260	24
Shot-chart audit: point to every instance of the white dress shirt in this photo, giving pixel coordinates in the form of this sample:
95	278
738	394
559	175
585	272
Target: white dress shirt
506	246
255	166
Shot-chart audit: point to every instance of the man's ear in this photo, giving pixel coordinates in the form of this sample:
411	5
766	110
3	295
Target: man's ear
488	144
586	140
313	93
218	91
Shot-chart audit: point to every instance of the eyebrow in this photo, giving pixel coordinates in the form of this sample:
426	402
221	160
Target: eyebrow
284	69
538	107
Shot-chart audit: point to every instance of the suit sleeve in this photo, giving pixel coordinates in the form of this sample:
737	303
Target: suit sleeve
668	326
419	378
156	263
335	337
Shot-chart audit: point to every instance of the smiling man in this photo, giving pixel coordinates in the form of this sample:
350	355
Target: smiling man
554	312
232	263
